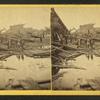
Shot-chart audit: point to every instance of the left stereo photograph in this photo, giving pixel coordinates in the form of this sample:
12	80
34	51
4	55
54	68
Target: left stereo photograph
25	62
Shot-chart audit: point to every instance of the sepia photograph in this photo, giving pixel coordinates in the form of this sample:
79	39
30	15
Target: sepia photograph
75	47
25	62
50	48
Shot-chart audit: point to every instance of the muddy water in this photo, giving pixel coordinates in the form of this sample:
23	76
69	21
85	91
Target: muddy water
69	79
37	69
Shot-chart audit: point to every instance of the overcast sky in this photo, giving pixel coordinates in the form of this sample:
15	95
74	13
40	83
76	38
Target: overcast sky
30	16
75	16
39	17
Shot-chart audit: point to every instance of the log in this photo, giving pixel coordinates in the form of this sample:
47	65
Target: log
8	68
59	48
69	67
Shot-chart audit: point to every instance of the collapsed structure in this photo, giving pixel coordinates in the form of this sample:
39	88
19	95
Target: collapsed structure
62	46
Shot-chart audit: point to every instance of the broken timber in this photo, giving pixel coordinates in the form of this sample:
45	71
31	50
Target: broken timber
68	67
60	50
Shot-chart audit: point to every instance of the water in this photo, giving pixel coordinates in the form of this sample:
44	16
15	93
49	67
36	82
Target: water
37	69
69	79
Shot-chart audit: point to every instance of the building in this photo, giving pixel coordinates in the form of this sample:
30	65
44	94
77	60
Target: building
86	28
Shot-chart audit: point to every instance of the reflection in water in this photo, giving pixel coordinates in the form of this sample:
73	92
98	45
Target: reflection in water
74	76
26	68
20	57
89	54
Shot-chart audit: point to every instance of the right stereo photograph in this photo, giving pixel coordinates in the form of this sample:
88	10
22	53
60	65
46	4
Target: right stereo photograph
75	48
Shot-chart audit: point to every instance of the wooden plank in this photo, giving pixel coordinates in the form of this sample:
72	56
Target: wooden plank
60	48
68	67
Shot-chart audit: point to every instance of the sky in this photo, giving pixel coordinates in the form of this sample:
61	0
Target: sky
35	17
75	16
39	17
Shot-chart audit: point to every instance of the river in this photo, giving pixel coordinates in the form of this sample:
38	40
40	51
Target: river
69	79
37	69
